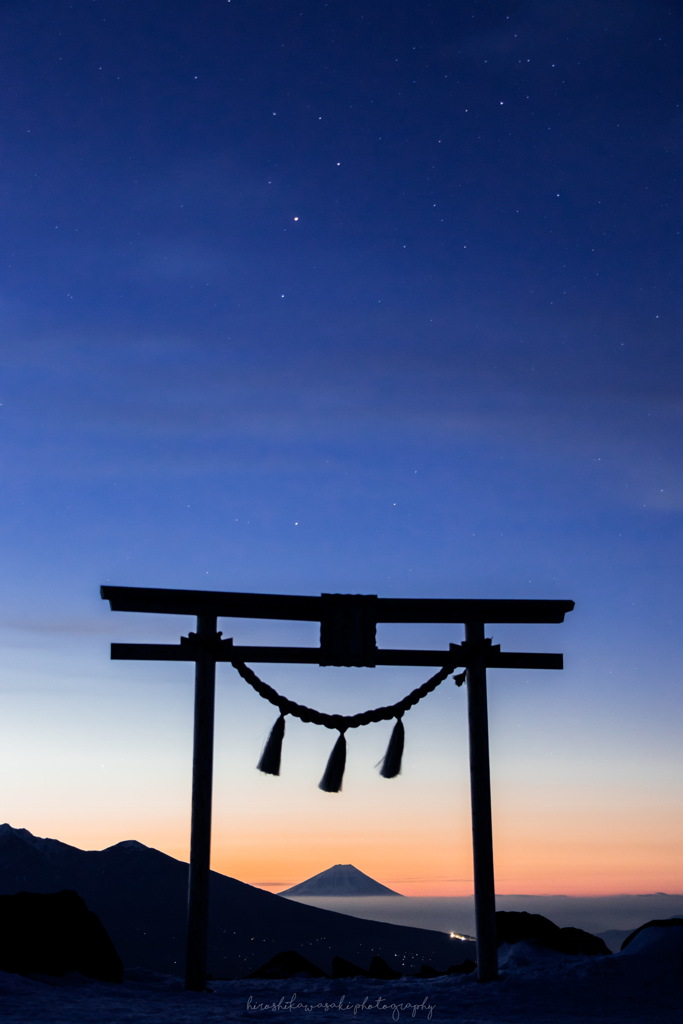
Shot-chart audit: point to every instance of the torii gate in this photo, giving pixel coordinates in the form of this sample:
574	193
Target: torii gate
347	638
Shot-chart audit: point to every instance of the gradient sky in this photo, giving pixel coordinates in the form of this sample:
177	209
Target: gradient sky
348	296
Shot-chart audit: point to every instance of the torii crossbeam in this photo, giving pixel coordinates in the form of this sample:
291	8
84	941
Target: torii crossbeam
347	638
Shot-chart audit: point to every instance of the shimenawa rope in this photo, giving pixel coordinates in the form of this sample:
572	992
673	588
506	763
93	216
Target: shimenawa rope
332	777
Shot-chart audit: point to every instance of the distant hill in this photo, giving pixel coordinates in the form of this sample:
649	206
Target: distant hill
140	896
340	880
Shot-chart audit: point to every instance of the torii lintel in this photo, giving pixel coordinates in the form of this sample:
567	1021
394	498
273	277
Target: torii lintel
348	624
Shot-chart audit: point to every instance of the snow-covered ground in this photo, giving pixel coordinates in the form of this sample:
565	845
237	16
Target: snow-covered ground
641	985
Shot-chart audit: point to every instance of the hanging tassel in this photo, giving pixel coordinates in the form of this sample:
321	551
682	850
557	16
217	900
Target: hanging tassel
391	765
331	781
272	752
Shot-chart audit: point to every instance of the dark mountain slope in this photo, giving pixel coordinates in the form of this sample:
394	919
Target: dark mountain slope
140	896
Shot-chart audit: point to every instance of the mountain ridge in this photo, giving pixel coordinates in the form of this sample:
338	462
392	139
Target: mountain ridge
140	895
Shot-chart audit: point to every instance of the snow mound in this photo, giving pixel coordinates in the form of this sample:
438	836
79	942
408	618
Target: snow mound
657	942
521	956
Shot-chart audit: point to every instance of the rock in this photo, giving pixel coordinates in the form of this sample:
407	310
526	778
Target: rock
342	968
379	968
575	940
55	933
519	926
466	967
288	965
427	971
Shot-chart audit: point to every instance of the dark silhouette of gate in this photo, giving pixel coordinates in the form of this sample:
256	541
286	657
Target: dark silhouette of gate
347	638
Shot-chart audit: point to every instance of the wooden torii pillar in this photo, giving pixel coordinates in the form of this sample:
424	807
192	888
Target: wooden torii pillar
347	638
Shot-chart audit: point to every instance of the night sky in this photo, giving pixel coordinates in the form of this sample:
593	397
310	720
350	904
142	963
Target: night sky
361	297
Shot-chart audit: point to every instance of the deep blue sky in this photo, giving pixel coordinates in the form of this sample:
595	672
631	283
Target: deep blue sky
348	296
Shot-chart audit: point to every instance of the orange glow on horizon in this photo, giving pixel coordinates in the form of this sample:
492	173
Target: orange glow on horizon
551	864
411	838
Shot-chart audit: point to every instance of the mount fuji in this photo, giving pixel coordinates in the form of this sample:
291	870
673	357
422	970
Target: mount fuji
340	880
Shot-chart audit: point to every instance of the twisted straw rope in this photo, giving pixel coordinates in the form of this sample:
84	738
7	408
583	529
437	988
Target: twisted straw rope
344	722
